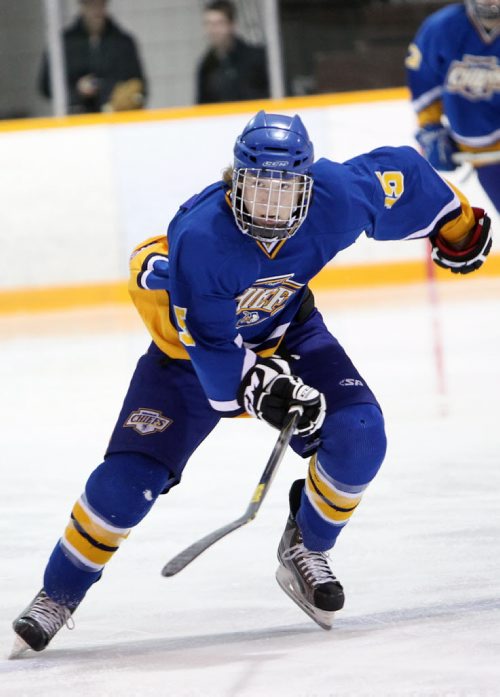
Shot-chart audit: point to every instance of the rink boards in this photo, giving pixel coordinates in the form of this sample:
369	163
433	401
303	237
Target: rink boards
80	192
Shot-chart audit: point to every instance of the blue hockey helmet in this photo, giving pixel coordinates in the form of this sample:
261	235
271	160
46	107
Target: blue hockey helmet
271	182
274	141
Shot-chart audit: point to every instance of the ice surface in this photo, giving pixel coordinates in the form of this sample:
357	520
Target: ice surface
419	560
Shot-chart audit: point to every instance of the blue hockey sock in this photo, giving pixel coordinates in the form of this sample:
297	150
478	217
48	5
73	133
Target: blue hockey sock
118	494
352	450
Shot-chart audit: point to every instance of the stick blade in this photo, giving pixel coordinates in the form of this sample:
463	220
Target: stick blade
181	560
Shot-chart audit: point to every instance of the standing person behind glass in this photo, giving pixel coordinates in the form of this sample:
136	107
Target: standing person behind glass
454	78
103	67
231	70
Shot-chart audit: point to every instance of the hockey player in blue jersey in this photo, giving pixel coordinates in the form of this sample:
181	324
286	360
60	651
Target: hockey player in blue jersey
225	298
453	69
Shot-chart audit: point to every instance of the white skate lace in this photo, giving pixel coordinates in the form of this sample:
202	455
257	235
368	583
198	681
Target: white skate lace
50	615
314	565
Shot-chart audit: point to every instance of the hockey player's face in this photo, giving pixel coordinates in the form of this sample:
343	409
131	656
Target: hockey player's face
489	5
270	201
487	11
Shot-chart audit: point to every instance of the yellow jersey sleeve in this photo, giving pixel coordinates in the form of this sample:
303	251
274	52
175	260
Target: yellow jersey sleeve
153	306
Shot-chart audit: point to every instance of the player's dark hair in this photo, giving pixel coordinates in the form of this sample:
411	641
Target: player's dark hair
227	175
225	6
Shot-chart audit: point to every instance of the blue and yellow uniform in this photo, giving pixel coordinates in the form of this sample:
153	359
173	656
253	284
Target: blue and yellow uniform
226	299
230	296
453	71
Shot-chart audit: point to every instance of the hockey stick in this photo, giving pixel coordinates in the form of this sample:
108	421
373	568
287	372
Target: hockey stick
476	158
187	555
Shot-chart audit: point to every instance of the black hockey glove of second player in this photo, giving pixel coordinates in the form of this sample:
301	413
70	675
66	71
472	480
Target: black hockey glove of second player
268	391
470	257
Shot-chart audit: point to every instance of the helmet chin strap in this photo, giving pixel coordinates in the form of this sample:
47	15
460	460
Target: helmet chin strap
259	235
269	235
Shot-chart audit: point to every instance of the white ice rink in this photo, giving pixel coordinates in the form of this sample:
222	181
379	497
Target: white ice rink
419	560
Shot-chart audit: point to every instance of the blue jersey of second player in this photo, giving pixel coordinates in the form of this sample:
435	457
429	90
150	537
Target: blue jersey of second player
454	60
231	296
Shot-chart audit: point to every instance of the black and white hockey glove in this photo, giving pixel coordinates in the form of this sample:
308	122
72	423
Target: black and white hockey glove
268	391
470	257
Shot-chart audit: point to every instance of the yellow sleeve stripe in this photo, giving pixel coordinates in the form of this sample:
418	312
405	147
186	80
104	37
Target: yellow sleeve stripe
487	148
430	114
457	230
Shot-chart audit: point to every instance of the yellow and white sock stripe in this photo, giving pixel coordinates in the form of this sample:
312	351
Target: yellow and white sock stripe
334	501
90	539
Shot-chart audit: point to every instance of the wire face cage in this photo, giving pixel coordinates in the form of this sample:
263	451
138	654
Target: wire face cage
270	204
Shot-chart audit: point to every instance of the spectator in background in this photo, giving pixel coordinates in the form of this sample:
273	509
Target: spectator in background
231	70
103	67
453	68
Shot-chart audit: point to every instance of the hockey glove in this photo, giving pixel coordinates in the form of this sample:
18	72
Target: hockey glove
437	146
268	391
470	257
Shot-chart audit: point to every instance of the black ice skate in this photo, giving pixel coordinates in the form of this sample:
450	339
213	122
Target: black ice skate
306	576
39	623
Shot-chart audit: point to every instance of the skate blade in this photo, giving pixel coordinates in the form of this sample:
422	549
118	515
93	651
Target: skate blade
19	647
286	582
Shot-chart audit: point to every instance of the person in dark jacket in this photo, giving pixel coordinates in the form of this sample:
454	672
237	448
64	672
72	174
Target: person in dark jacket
231	70
103	67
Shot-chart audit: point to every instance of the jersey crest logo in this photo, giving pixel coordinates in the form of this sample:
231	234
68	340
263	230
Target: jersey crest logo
265	298
474	77
248	318
147	421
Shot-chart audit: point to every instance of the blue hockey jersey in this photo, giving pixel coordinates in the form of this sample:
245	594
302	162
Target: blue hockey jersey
229	297
453	68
